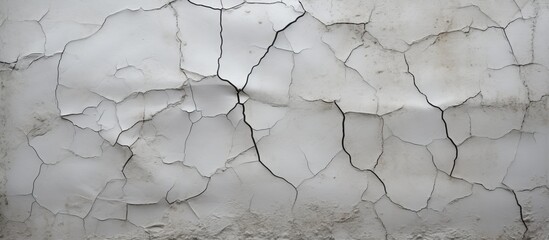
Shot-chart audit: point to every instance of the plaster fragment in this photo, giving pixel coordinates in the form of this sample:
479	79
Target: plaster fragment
485	161
408	172
363	139
27	38
450	75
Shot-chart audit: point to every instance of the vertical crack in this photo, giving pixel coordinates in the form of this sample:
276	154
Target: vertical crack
259	156
441	114
521	214
238	91
348	154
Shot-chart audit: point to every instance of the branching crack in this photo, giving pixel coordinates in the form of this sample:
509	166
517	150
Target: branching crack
347	152
441	113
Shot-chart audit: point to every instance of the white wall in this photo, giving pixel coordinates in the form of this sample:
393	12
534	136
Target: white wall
309	119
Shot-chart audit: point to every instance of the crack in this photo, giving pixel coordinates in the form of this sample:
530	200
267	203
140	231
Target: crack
519	8
307	162
534	25
381	221
510	45
521	214
437	107
465	29
349	155
238	91
321	170
434	184
37	175
269	48
259	156
195	196
514	156
177	36
126	163
534	188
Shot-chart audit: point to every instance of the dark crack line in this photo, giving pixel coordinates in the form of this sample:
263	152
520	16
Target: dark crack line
259	156
272	44
441	114
125	164
237	90
194	196
348	154
221	55
521	214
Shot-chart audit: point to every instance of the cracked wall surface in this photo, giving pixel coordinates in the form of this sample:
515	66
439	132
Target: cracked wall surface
274	119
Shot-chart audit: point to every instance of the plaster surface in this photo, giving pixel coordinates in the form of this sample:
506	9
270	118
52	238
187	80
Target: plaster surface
274	119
